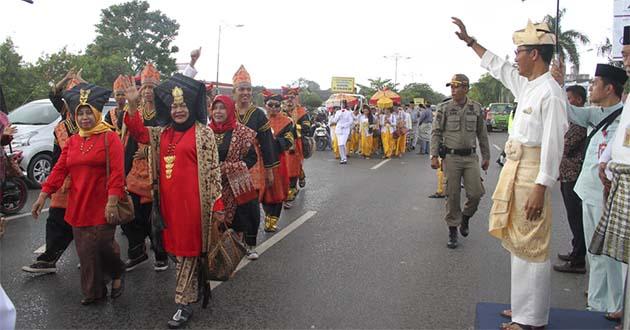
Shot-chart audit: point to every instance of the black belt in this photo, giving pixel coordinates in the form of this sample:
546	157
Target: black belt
461	152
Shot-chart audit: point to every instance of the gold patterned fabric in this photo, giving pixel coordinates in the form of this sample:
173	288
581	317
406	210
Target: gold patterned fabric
187	280
528	240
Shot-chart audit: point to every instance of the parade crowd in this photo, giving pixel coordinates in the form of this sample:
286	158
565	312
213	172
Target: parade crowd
191	170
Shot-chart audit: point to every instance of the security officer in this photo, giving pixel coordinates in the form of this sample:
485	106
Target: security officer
458	124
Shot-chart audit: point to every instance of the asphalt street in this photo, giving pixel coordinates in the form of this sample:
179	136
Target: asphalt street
368	250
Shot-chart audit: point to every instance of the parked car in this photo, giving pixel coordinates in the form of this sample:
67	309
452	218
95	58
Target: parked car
497	116
35	122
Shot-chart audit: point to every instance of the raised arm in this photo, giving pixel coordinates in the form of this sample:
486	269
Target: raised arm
133	119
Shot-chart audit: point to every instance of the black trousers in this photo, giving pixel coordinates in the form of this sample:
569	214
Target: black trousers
247	221
58	235
293	182
139	229
273	210
573	205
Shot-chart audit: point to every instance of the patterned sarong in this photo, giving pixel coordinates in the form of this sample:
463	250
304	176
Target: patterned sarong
612	235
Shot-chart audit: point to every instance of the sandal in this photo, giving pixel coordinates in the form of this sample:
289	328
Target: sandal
506	313
511	326
613	316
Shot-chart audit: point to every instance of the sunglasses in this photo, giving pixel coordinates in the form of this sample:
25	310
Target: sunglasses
273	105
457	84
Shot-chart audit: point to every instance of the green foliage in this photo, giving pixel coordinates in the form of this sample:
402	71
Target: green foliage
375	85
489	90
310	100
137	35
414	90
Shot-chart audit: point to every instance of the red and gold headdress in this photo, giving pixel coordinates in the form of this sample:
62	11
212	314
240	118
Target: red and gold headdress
119	84
286	91
241	76
150	75
269	95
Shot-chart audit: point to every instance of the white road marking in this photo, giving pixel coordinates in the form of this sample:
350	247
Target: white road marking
380	164
272	241
497	147
22	215
40	250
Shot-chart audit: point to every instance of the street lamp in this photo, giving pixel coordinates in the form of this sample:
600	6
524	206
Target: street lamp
219	50
396	57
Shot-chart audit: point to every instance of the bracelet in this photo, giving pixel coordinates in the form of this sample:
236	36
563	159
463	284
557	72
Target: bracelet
471	42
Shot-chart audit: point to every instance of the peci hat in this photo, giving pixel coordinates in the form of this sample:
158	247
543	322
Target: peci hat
611	72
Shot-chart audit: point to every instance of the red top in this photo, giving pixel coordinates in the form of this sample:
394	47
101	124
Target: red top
179	196
88	188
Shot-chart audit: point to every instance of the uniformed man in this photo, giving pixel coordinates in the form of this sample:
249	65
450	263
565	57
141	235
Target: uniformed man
458	124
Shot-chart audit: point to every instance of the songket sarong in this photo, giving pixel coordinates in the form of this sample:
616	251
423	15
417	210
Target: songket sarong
612	235
187	280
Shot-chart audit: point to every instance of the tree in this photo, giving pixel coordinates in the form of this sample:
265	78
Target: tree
376	85
420	90
136	34
13	76
489	90
567	39
310	100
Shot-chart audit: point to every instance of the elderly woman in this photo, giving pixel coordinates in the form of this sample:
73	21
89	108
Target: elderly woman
93	195
237	155
185	172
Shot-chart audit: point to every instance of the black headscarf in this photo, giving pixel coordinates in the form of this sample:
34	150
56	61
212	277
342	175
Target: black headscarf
194	97
97	97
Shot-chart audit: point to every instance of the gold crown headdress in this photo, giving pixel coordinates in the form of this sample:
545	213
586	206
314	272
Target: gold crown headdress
178	95
84	94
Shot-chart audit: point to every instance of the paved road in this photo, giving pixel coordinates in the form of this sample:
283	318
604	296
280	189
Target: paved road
372	256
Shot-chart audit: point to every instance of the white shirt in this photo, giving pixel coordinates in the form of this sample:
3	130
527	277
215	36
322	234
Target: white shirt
620	153
391	127
541	115
189	71
343	118
364	123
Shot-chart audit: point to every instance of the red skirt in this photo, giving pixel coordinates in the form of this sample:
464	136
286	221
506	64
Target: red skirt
258	173
295	160
280	189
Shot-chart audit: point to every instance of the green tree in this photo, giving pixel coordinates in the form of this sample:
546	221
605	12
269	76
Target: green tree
13	76
311	100
414	90
376	85
137	35
567	40
489	90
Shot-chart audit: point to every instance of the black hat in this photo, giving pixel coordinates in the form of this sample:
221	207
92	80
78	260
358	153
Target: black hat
626	35
611	72
194	93
86	94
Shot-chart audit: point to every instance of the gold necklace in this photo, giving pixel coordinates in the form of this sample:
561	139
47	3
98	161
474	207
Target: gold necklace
89	147
219	138
147	114
169	159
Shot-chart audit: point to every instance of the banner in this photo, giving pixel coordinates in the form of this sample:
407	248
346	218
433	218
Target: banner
418	100
342	85
621	18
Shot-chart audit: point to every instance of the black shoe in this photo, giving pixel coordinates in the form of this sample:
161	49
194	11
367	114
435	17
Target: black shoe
463	228
302	182
452	238
116	292
570	267
181	317
436	195
160	265
41	267
565	257
133	263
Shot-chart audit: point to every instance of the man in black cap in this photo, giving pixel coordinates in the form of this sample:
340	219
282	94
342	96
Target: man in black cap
605	285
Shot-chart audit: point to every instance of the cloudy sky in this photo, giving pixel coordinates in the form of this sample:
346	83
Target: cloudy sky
284	40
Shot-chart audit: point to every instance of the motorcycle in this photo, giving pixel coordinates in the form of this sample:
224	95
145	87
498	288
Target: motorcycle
14	188
321	136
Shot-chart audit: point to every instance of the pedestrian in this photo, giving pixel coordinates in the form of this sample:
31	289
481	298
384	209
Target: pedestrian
425	121
458	125
570	166
414	111
138	176
611	234
58	231
343	121
235	143
521	212
366	128
354	143
282	127
302	129
93	195
377	145
187	172
403	122
388	126
332	125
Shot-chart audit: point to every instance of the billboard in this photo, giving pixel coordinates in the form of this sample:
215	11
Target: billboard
621	18
342	85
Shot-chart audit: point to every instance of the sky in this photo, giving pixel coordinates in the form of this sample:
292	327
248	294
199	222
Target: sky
282	41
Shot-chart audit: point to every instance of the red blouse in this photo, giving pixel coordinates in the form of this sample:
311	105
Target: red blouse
179	196
84	160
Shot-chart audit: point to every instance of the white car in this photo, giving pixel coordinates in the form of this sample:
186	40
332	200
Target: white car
35	122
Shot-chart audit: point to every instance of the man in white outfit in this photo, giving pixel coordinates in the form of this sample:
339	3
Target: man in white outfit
343	118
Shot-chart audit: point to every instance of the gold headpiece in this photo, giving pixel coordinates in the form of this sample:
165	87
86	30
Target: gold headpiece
83	96
241	76
178	95
534	34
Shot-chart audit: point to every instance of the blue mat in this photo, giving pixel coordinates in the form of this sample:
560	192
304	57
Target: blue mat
487	317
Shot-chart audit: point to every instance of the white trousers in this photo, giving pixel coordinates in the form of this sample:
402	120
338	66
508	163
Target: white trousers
605	275
7	312
530	296
342	139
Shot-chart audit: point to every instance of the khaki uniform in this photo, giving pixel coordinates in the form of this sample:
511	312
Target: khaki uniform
458	128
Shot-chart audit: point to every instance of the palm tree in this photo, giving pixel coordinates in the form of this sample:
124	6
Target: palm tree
567	39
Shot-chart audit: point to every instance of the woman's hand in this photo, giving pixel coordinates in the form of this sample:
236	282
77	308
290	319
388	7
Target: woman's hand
10	130
131	94
111	210
39	204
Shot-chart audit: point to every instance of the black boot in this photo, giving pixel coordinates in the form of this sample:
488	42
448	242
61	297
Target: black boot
463	228
452	237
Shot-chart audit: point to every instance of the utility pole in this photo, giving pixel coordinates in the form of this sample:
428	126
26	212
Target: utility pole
396	57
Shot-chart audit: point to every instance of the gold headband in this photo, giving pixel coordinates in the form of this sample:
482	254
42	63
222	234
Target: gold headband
83	96
178	95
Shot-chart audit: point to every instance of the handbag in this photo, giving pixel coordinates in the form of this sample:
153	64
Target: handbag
226	254
240	181
125	204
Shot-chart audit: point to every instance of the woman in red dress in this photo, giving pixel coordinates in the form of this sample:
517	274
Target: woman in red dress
185	170
93	196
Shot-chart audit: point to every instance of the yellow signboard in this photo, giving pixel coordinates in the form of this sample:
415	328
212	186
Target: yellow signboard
418	100
342	85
